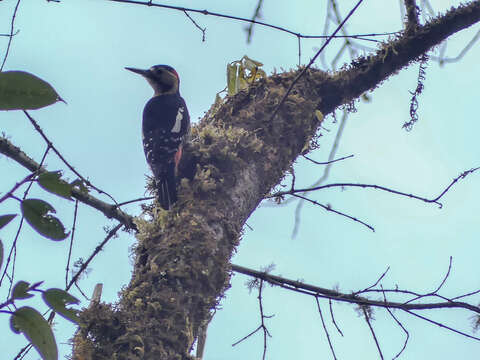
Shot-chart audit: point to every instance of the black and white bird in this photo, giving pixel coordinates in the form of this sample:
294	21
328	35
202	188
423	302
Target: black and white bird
165	127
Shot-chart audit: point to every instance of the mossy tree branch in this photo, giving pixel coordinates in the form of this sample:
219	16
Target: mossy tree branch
238	154
110	211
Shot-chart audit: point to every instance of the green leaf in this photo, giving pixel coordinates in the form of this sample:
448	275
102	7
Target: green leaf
5	219
58	299
51	182
36	212
20	290
21	90
37	330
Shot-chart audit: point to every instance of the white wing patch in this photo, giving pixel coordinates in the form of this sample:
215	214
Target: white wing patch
178	120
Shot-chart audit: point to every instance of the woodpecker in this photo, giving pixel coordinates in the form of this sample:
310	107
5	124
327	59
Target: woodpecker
165	127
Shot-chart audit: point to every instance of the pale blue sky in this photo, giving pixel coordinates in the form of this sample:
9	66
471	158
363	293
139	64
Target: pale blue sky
82	47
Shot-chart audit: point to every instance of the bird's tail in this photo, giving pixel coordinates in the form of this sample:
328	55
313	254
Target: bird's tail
166	188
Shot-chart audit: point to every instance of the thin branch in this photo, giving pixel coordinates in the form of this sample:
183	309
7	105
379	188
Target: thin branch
247	336
367	319
326	171
401	326
12	24
378	187
262	318
16	186
50	144
445	277
327	162
13	249
325	329
134	200
84	266
333	317
300	75
329	208
466	295
408	292
10	35
67	268
461	176
202	30
434	292
262	323
99	247
110	211
367	71
312	290
23	351
375	284
441	325
237	18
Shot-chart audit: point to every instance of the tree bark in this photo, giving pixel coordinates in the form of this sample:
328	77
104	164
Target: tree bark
237	154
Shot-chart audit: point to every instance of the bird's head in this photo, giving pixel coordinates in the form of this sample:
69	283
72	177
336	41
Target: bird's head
163	78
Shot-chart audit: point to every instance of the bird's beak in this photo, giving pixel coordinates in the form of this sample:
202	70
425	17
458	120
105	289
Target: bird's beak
145	73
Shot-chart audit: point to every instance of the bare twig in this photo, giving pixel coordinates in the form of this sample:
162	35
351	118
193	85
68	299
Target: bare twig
442	325
202	30
262	325
325	329
23	351
134	200
247	336
463	175
329	208
327	162
333	317
67	269
262	318
367	319
401	326
84	266
326	171
445	277
50	144
238	18
110	211
466	295
378	187
375	284
99	247
302	73
434	292
335	295
13	248
16	186
10	37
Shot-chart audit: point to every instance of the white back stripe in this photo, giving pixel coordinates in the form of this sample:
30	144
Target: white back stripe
178	120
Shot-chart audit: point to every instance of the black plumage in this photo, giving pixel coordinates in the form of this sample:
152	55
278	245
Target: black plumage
163	114
165	127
